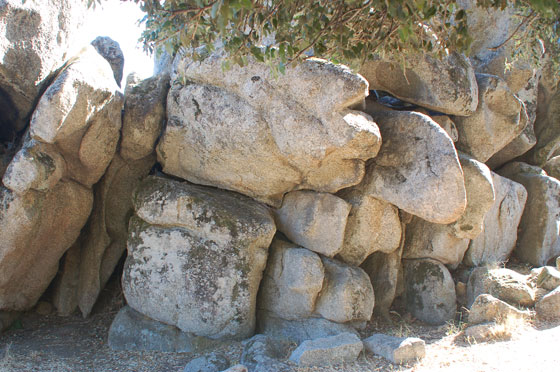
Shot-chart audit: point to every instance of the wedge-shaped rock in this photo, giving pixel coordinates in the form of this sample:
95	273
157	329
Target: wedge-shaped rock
36	229
497	120
546	277
35	38
499	235
548	308
429	290
301	329
111	51
338	349
248	131
539	230
196	257
292	281
417	168
504	284
347	293
373	226
316	221
81	114
144	114
396	349
552	167
487	308
447	85
431	240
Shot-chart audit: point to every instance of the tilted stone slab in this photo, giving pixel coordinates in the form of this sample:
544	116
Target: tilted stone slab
344	347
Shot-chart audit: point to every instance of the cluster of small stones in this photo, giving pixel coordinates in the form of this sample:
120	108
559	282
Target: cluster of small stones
292	207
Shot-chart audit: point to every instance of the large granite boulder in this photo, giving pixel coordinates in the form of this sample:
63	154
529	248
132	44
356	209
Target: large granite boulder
499	235
504	284
417	168
248	131
539	228
447	85
35	39
430	291
196	256
497	120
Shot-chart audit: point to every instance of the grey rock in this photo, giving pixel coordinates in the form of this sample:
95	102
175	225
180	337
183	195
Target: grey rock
552	167
35	41
292	281
447	85
262	353
236	368
430	291
341	348
347	294
483	332
301	329
548	308
417	168
397	350
504	284
539	229
207	363
284	133
65	285
546	277
316	221
196	257
487	308
496	121
111	51
373	225
447	125
144	116
133	331
499	235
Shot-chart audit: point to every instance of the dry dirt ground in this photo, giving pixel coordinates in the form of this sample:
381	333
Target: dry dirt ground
52	343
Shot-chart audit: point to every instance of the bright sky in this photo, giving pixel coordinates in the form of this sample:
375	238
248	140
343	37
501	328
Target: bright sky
119	21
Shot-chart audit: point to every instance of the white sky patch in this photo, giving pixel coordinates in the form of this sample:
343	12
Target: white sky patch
119	21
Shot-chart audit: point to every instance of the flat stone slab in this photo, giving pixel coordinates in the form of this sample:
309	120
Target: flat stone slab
344	347
398	350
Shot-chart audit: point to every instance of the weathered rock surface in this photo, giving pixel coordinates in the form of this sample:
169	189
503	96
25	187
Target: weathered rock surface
111	51
196	257
80	113
383	270
552	167
372	226
104	239
262	353
144	116
65	284
35	37
447	125
447	86
347	293
504	284
496	121
344	347
417	168
301	329
37	228
236	368
484	332
247	131
207	363
316	221
291	282
487	308
133	331
499	235
430	291
546	277
539	229
548	307
397	350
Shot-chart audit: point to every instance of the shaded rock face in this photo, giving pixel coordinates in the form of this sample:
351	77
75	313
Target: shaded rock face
430	291
499	235
47	197
35	37
111	51
196	257
497	120
447	86
504	284
539	228
247	131
417	168
552	167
